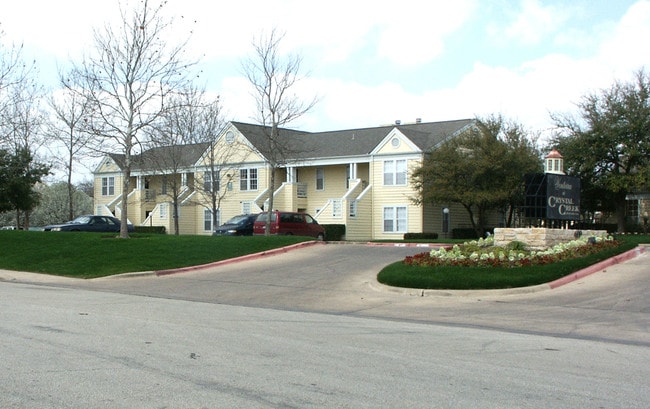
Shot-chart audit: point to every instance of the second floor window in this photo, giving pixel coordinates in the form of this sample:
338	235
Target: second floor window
320	178
108	186
248	179
208	184
395	172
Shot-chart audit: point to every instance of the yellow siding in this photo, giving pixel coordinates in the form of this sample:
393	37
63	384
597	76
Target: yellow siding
393	196
237	152
359	228
334	186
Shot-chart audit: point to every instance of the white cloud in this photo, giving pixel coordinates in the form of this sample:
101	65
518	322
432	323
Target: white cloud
532	23
416	34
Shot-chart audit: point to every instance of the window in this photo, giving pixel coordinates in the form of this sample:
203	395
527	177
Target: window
395	219
248	179
108	186
207	219
395	172
352	208
163	210
320	178
246	207
336	207
208	185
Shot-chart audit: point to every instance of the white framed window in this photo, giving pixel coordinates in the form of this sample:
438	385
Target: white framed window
248	179
395	172
108	186
395	219
246	207
352	204
207	219
208	185
163	210
320	178
336	207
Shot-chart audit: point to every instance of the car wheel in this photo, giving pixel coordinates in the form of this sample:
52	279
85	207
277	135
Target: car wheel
320	237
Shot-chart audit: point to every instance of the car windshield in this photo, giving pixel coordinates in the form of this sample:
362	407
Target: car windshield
81	220
237	219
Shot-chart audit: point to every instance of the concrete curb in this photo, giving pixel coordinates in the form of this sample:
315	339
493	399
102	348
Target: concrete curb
628	255
238	259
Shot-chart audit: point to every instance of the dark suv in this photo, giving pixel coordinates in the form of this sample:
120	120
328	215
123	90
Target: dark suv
241	225
289	223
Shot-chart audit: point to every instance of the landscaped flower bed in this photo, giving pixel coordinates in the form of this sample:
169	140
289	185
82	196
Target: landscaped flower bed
483	253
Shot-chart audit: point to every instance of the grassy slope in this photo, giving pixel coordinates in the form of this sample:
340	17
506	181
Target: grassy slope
89	255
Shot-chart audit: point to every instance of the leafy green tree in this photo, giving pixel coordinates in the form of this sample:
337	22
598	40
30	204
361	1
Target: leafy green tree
481	169
18	176
608	147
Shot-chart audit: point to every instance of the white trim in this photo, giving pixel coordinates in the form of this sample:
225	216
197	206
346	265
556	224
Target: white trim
395	133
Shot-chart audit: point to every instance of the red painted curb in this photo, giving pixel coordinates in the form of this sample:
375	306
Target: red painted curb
628	255
237	259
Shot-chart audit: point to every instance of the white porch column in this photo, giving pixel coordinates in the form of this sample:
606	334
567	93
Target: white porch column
140	183
291	174
353	171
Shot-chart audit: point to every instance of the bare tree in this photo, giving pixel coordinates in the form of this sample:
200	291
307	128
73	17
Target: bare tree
274	78
67	128
172	150
221	160
14	74
192	122
21	122
127	79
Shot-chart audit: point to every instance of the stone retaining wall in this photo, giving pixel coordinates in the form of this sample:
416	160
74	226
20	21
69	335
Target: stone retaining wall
539	238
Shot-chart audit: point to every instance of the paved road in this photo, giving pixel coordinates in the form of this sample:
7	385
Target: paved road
74	348
340	279
312	328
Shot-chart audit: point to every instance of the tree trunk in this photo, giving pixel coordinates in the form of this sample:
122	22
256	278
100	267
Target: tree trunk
126	185
620	214
267	228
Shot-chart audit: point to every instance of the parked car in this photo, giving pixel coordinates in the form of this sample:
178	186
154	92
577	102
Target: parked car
289	223
90	223
240	225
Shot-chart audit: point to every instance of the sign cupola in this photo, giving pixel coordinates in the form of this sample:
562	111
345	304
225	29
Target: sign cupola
554	163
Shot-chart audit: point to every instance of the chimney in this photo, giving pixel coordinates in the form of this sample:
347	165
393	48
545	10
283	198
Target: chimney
418	120
398	122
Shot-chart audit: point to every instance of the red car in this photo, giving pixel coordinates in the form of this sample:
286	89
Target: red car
289	223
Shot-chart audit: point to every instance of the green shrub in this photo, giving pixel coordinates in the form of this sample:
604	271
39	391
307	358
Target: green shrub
334	232
516	246
421	236
150	229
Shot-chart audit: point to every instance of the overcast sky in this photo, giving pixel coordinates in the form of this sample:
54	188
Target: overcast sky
373	62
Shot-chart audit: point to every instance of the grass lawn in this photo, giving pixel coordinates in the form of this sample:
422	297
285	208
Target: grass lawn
91	255
474	278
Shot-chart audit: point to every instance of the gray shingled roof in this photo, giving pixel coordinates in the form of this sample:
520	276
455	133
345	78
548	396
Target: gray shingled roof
165	157
354	142
307	145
